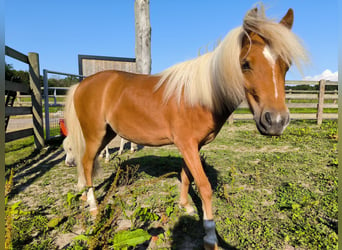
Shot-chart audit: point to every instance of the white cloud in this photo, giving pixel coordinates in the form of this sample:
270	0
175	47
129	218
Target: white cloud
326	74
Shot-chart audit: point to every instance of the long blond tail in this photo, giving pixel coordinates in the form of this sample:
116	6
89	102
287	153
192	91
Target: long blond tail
76	138
75	134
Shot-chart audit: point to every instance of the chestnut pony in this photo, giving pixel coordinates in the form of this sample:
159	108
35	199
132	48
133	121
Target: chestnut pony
188	103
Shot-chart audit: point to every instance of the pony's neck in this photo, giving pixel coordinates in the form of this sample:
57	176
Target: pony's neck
226	76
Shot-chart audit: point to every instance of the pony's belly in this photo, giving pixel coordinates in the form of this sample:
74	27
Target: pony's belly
146	138
142	131
149	141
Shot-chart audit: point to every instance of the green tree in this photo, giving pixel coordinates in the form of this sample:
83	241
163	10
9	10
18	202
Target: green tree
16	76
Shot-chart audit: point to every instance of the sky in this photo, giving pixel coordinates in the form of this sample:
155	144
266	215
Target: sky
61	30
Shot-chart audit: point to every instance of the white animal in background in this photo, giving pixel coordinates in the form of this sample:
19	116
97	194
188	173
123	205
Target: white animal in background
70	159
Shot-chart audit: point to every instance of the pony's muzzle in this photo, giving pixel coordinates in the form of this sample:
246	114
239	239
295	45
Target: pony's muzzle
273	122
70	162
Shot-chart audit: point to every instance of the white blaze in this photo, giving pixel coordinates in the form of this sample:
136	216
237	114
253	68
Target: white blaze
271	58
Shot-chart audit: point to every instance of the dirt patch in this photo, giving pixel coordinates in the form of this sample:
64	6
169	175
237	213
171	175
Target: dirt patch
63	240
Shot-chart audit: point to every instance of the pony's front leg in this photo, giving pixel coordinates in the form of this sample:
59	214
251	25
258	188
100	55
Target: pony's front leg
185	183
88	166
80	186
193	162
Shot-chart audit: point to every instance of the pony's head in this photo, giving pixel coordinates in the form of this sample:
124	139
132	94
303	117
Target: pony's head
69	156
267	51
252	60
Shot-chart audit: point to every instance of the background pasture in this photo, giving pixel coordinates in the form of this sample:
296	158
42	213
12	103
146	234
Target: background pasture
269	193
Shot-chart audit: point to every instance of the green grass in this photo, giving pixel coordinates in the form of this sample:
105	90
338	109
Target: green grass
269	193
18	150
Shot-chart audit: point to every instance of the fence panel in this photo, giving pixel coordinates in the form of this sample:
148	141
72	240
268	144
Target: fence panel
35	109
54	98
296	99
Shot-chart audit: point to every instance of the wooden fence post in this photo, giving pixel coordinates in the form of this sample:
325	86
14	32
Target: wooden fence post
142	36
290	93
320	102
36	97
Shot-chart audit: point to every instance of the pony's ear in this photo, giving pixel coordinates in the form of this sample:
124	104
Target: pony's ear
251	15
253	12
287	20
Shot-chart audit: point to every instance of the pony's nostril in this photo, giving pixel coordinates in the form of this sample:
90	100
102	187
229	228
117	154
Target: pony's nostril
268	118
285	120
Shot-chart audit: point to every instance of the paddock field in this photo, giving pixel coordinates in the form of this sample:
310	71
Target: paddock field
269	193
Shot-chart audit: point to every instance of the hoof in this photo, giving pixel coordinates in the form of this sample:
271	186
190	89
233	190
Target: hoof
84	197
94	212
210	247
189	210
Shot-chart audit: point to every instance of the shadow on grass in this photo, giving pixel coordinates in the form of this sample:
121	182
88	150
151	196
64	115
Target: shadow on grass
188	232
28	170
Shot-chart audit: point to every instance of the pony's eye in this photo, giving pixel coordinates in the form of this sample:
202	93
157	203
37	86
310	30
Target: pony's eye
245	66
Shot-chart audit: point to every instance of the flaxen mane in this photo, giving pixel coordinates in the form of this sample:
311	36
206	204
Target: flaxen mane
282	40
215	80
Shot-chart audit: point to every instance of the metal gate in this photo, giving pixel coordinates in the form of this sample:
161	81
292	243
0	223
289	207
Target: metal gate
54	100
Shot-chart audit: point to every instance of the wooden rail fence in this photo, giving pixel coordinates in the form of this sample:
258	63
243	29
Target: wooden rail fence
303	99
297	101
33	89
